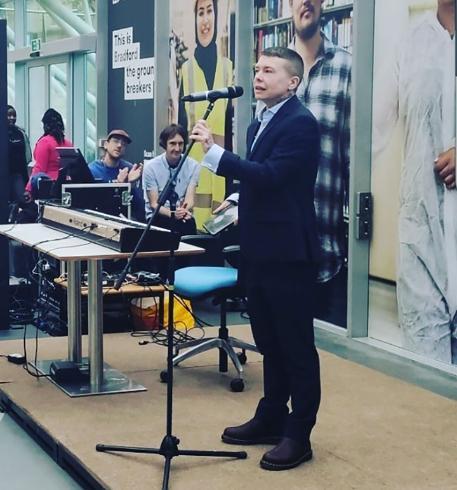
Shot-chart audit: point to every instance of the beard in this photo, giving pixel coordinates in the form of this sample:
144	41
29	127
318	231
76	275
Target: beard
308	32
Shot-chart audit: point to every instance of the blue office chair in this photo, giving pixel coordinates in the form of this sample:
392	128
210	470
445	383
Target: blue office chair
198	282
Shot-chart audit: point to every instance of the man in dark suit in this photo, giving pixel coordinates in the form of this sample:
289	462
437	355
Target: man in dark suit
280	247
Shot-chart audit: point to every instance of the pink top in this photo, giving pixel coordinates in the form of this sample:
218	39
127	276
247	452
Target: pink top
46	157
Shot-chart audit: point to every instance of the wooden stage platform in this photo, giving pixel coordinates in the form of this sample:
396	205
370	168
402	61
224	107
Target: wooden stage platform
373	431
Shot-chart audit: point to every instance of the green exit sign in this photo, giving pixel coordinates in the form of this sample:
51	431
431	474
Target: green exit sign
36	45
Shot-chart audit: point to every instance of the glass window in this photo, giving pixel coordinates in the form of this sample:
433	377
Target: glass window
91	108
11	77
37	101
7	12
58	88
59	19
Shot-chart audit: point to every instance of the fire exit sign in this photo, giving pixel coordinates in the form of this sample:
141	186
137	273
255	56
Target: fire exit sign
36	45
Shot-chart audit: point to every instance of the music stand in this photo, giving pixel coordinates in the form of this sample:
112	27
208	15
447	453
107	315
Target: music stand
169	446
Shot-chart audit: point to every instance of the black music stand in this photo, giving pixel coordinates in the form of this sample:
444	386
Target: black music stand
169	446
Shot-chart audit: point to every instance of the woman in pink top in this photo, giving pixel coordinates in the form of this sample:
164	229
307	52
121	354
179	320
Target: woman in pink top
45	153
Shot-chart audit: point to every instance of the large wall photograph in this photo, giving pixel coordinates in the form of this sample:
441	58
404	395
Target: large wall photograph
201	58
413	175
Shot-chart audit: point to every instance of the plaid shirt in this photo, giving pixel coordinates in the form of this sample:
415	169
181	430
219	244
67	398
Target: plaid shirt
327	94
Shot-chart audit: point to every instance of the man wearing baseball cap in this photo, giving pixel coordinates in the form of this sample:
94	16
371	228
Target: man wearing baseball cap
111	167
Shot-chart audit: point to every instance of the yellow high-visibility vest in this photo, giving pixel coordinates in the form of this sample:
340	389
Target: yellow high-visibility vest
211	188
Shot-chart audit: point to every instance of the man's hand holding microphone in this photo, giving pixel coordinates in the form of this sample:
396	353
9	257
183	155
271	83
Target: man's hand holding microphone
202	134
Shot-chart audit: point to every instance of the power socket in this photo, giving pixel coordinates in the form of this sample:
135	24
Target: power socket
16	358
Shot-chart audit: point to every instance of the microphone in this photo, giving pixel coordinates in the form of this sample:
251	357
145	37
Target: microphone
212	95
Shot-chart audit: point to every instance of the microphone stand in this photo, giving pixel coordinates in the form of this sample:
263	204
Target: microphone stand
169	446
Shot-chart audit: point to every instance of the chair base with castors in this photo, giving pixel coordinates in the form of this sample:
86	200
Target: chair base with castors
199	282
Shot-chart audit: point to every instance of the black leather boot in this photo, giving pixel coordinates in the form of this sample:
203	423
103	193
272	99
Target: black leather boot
289	453
255	431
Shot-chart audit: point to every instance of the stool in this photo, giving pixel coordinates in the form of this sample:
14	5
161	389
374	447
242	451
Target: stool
198	283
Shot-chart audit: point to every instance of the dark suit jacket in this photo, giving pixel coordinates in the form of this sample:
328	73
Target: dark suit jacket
276	207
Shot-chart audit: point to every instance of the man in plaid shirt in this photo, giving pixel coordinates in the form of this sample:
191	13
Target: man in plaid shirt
326	92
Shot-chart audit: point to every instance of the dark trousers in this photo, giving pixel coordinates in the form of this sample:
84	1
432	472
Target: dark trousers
17	187
281	305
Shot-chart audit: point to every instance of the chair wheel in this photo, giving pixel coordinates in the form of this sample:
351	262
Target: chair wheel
237	385
242	357
163	376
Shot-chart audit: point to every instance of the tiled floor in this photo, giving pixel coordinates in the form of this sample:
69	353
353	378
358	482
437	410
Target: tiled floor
25	465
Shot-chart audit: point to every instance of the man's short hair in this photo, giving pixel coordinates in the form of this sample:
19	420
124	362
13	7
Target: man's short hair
170	132
295	62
